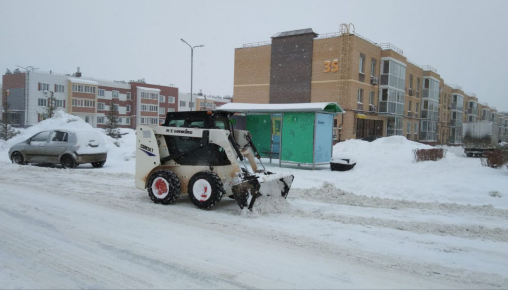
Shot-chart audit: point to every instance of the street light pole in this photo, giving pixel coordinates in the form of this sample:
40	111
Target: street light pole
192	65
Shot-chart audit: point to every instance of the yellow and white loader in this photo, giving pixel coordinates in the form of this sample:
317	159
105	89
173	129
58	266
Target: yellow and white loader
197	153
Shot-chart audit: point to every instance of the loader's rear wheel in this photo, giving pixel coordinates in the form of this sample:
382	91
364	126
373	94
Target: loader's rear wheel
205	189
163	187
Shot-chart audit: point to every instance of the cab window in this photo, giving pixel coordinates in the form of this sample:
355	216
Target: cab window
59	137
41	137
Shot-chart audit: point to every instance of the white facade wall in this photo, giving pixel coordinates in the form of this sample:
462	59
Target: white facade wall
32	107
186	98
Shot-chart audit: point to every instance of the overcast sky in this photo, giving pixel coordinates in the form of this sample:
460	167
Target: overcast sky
466	41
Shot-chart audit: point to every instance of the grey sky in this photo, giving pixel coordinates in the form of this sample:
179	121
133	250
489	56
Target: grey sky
466	41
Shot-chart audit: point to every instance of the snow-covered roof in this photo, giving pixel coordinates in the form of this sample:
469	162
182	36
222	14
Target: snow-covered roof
83	81
273	108
149	89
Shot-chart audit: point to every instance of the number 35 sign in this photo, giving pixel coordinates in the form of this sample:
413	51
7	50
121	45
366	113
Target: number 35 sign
331	66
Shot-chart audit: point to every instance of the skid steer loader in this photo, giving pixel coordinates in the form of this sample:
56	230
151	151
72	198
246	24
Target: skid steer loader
197	153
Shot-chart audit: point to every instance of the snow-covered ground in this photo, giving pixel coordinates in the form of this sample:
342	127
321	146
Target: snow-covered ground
388	223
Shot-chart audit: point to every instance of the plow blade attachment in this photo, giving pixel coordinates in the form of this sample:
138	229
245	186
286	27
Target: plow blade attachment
246	192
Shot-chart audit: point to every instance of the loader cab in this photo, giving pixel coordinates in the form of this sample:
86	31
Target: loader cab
199	119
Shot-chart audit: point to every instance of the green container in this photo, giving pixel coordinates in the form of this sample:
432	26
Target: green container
298	137
260	127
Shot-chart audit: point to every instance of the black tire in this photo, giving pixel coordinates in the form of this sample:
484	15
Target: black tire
163	187
68	161
17	158
98	164
206	199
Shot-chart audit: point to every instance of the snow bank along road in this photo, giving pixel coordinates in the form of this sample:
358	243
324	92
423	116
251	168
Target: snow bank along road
87	228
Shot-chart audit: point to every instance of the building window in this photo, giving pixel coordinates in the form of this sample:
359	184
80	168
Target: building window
191	104
373	63
120	120
362	63
128	95
410	105
101	106
43	87
42	102
371	98
162	110
162	99
128	108
182	103
100	120
59	103
128	121
115	94
116	107
417	87
171	110
59	88
171	99
360	96
101	93
154	96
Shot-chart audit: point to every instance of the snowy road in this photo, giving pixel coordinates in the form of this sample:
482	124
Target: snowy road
87	228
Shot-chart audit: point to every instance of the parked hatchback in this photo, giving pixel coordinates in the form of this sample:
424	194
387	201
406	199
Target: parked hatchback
65	147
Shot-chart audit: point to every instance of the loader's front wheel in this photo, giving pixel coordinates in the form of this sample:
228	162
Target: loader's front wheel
163	187
205	189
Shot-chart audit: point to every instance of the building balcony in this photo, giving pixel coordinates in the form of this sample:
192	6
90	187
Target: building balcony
410	114
457	107
359	106
455	123
472	111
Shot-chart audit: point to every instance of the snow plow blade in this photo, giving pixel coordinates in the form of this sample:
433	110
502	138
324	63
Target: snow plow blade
268	184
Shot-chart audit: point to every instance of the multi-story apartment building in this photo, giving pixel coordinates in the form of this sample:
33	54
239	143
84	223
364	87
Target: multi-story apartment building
382	91
205	104
136	102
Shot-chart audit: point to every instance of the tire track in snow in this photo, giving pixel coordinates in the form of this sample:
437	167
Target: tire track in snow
120	194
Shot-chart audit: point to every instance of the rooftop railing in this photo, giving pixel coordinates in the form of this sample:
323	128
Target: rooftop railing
387	46
254	44
429	68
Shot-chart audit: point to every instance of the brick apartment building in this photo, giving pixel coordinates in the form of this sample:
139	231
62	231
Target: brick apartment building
137	102
382	91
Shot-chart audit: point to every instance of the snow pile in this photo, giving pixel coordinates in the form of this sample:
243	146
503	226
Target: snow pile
119	151
385	169
268	205
383	152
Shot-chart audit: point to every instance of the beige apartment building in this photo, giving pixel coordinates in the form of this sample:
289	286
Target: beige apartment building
382	91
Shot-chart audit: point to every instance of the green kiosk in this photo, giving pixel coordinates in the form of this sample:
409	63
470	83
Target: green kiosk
299	133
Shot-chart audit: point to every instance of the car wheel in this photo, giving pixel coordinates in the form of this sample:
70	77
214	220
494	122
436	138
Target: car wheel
163	187
98	164
17	158
68	161
205	189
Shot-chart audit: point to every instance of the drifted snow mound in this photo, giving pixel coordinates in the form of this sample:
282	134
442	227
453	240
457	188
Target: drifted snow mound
121	149
383	152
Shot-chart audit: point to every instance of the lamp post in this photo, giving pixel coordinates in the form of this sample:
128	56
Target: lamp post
192	57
